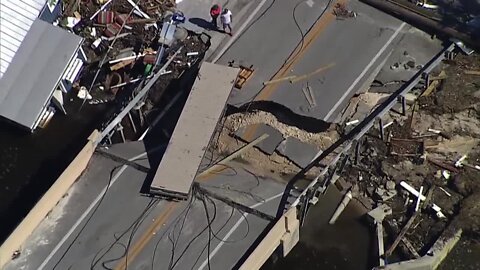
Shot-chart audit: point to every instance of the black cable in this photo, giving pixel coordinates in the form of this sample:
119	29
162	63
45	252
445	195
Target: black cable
174	243
302	42
130	239
139	220
89	218
209	229
196	193
221	228
175	221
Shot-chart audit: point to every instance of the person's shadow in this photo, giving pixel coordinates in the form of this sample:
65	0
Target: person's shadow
207	25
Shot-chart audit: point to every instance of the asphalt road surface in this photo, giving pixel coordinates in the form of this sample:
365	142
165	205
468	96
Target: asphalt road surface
353	47
95	228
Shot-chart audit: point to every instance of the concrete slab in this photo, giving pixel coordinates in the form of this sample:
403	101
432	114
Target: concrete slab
297	151
193	131
251	132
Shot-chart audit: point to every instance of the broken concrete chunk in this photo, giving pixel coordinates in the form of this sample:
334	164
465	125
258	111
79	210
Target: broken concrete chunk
384	195
410	64
379	213
251	132
390	185
297	151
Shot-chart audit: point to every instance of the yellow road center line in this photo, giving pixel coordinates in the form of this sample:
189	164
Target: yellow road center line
299	51
266	92
145	238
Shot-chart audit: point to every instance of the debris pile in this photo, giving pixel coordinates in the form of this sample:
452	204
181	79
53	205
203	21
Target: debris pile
426	168
341	12
125	44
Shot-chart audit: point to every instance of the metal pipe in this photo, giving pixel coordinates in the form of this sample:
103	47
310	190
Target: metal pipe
138	97
421	21
341	207
381	244
412	190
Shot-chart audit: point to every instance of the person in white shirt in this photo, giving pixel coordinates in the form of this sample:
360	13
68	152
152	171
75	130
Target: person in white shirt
226	19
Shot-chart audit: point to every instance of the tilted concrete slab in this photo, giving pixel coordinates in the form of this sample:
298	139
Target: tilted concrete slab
297	151
193	131
251	132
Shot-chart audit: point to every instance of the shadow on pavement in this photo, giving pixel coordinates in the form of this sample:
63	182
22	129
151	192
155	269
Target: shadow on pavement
207	25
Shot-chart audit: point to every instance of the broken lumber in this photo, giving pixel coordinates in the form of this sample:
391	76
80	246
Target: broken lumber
472	72
122	64
441	76
220	165
306	76
287	78
406	227
433	85
443	165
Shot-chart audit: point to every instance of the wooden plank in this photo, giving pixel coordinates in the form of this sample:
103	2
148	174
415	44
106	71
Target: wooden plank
194	129
219	165
287	78
472	72
308	75
407	226
433	85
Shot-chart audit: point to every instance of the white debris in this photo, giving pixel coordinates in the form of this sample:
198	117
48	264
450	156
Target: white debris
83	93
446	192
412	190
459	162
352	122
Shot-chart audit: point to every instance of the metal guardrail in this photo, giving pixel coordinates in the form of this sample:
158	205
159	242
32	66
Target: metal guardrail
362	128
137	98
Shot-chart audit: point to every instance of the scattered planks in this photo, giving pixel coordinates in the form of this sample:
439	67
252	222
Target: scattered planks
407	226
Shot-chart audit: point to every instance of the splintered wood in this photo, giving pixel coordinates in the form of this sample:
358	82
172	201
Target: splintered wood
243	76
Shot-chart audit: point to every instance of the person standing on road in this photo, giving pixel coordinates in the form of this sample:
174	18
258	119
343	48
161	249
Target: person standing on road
226	19
215	11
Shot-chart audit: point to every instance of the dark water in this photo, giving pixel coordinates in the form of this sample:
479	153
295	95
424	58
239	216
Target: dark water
30	163
346	245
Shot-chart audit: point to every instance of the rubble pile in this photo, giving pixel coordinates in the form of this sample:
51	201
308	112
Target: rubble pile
432	150
125	44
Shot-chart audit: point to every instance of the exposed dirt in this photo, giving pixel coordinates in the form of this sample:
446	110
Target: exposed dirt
321	139
449	97
409	144
273	163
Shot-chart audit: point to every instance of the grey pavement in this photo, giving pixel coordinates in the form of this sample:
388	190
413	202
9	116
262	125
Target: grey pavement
157	234
415	46
356	46
197	13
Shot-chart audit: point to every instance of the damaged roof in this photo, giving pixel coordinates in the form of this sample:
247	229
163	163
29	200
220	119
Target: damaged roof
16	18
27	86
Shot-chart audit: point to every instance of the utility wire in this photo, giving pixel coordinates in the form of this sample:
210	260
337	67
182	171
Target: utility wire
294	52
89	218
